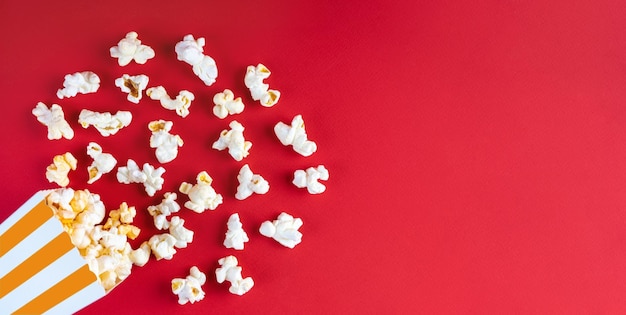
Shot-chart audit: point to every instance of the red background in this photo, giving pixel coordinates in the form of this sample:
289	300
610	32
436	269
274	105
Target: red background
476	150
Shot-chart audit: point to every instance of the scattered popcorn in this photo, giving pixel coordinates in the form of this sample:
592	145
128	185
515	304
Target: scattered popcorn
201	195
54	119
295	135
150	177
141	255
229	271
165	143
259	90
235	236
162	246
310	179
284	230
133	85
250	183
105	123
130	48
177	230
191	51
59	169
160	212
102	162
79	82
233	140
189	289
180	104
227	104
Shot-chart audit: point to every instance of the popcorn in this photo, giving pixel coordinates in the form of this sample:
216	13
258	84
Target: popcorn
59	169
141	255
182	235
150	177
105	123
259	90
180	104
201	195
165	143
160	212
121	220
189	289
191	51
130	48
162	246
235	236
227	104
233	140
79	82
102	162
310	179
284	230
295	135
250	183
229	271
54	119
133	85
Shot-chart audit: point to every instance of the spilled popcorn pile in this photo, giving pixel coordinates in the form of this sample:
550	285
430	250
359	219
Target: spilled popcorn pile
104	244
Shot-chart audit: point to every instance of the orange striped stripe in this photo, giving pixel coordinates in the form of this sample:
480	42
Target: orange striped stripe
35	263
26	225
67	287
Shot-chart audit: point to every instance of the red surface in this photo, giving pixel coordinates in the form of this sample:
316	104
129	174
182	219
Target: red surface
476	150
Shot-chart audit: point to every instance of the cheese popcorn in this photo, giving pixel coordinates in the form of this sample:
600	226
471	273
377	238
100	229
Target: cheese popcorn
79	82
165	143
229	271
162	246
141	255
295	135
133	85
160	212
130	48
201	195
182	235
310	179
54	119
191	51
250	183
102	162
284	230
235	236
233	139
226	104
260	91
150	177
105	123
190	288
59	169
180	104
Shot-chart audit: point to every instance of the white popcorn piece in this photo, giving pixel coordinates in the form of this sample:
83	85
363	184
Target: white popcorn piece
58	171
160	212
310	179
229	271
79	82
177	230
162	246
226	104
102	162
54	119
180	104
258	90
150	177
130	48
141	255
190	288
133	85
284	230
191	51
130	173
233	139
165	143
296	136
235	236
105	123
250	183
201	195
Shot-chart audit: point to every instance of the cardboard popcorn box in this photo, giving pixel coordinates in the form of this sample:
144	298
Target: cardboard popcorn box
41	271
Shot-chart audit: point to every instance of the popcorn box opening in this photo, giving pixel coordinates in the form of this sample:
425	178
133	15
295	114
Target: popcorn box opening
41	271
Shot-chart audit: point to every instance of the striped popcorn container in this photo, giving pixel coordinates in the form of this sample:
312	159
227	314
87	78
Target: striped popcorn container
41	272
